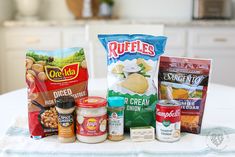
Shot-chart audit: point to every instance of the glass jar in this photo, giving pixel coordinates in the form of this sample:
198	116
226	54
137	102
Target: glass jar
91	120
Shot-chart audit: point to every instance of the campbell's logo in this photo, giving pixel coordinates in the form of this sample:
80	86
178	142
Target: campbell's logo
171	114
117	49
68	72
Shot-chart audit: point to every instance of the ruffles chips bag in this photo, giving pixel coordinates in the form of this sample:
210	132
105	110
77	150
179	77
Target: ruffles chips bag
132	61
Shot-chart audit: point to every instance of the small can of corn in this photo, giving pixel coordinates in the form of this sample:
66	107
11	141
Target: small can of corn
168	120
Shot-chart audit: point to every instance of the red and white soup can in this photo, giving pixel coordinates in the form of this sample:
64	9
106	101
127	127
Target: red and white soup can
168	120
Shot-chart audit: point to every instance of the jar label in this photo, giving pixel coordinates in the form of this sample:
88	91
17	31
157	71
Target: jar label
116	123
91	126
66	125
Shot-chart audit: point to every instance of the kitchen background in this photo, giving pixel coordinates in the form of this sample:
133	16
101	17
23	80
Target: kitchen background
51	24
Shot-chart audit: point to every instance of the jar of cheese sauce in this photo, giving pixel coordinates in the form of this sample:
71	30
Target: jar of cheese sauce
91	121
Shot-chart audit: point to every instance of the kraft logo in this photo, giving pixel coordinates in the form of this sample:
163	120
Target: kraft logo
117	49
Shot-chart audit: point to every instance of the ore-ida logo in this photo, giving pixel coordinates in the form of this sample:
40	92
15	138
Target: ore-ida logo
117	49
68	72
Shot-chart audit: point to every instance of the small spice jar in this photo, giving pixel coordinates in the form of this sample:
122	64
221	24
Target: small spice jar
116	118
65	106
91	122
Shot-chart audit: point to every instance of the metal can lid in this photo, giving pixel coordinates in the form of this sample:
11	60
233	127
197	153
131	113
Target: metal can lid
168	103
91	102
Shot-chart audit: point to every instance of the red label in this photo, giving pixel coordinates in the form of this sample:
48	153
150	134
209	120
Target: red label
35	126
117	49
168	113
92	126
48	85
185	65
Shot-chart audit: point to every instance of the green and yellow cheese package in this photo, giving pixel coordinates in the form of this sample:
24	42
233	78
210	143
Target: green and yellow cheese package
132	61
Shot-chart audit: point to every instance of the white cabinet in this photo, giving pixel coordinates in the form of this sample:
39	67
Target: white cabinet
74	37
16	41
217	44
14	70
176	41
1	61
212	38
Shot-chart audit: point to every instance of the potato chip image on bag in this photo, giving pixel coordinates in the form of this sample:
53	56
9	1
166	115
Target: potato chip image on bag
136	83
132	61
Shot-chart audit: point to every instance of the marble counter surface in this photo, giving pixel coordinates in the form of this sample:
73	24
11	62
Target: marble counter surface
74	23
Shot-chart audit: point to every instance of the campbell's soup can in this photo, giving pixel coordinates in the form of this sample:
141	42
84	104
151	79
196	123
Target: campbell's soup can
168	120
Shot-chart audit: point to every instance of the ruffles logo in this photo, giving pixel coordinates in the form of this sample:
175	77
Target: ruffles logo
117	49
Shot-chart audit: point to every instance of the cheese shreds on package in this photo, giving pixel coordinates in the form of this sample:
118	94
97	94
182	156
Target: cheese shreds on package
186	81
132	61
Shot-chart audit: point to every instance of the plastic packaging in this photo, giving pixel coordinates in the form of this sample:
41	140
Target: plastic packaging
51	74
132	61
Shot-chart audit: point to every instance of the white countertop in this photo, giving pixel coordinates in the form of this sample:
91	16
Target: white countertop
219	114
224	23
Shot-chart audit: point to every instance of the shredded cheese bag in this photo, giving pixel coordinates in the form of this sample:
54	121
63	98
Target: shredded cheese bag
185	80
132	61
